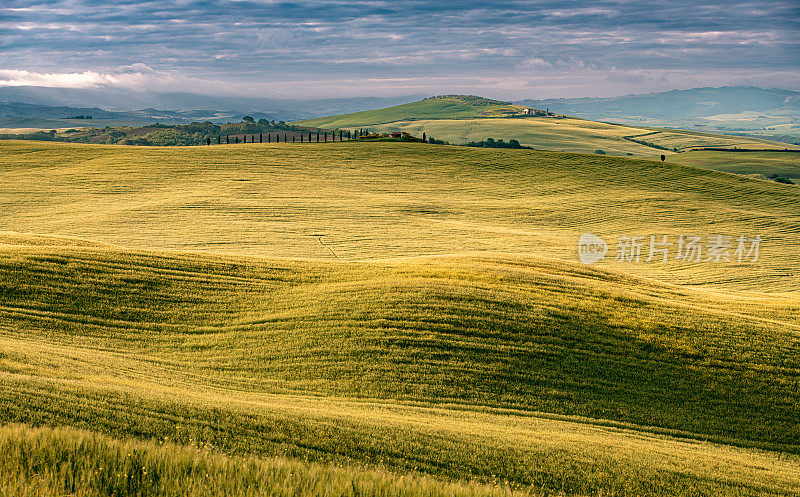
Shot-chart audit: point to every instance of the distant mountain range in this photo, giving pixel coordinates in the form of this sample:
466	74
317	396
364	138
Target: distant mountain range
726	109
38	103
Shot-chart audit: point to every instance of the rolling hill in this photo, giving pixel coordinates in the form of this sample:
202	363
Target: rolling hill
392	318
442	107
459	119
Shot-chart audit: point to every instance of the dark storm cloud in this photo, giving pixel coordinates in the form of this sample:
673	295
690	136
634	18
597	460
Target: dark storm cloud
513	47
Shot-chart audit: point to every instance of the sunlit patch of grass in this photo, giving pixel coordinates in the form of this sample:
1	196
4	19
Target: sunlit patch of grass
56	462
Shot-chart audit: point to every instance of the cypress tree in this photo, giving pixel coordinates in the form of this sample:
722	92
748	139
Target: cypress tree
219	139
423	137
228	139
261	138
326	136
269	137
208	141
285	138
318	137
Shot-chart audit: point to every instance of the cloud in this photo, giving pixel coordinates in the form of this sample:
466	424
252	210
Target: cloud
534	63
275	47
136	76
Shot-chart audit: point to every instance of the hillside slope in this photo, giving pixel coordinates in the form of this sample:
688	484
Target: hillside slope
321	360
354	201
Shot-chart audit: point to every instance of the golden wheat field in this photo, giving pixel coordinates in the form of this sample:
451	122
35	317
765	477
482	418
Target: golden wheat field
389	319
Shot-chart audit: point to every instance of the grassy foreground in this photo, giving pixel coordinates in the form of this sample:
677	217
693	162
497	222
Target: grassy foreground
73	462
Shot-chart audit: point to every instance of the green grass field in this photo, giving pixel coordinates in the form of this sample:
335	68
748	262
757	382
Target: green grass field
446	107
385	318
756	164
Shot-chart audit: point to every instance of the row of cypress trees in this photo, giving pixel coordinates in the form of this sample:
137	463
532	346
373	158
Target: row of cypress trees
342	136
320	137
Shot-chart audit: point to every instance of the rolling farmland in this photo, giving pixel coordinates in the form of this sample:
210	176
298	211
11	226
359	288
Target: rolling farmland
390	318
456	119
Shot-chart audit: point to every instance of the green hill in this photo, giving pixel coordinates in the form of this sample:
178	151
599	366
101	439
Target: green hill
390	317
442	107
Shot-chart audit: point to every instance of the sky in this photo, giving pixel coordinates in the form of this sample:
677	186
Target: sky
509	50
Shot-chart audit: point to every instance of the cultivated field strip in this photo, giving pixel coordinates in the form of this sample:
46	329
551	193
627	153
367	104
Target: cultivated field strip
687	140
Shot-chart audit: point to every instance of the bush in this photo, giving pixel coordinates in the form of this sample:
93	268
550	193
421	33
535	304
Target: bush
492	143
599	152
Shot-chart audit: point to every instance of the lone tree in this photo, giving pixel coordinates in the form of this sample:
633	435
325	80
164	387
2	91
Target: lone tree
423	137
663	157
248	119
